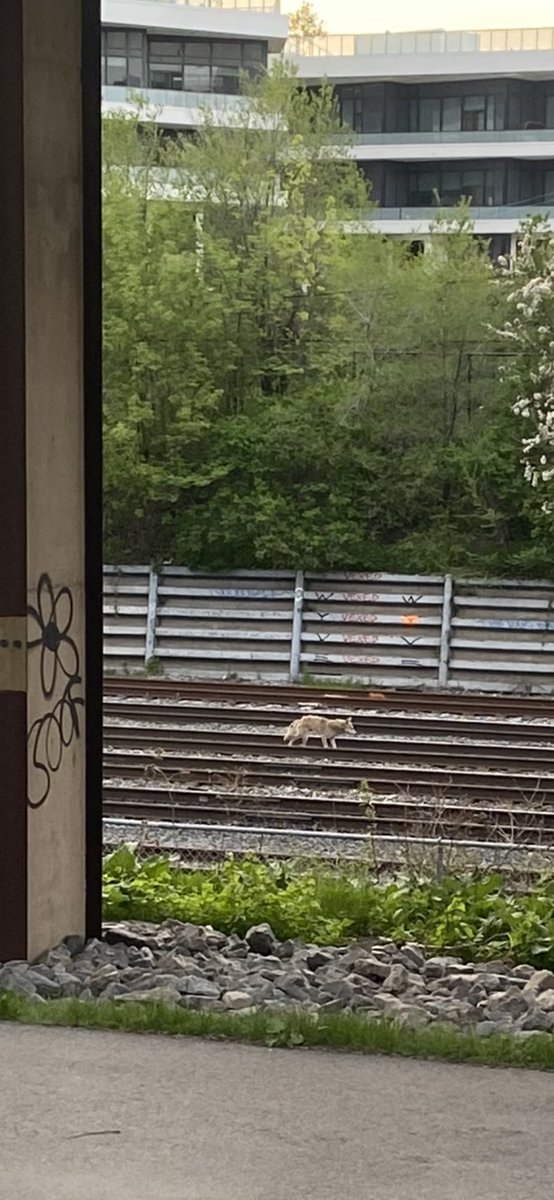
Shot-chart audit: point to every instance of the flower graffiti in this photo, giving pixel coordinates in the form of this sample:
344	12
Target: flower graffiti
54	617
60	680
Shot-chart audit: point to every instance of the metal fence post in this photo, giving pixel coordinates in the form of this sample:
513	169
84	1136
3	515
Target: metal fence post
151	617
296	637
444	656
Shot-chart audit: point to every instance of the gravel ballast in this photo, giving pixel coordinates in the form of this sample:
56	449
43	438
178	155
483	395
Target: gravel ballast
197	967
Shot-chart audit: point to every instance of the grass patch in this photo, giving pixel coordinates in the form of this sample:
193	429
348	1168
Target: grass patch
478	917
333	1031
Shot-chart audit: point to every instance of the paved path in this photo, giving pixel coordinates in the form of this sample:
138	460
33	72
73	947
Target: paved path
202	1121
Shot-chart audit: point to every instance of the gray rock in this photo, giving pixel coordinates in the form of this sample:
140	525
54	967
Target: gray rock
74	943
493	983
119	956
389	1005
286	949
201	1004
70	984
151	996
539	981
460	987
502	1005
476	994
412	1017
261	939
236	1000
293	984
176	962
410	957
131	933
545	1000
522	971
263	992
114	990
345	988
371	968
191	985
398	979
18	982
333	1004
434	968
318	959
362	1000
460	1011
140	956
49	989
537	1018
102	977
489	1028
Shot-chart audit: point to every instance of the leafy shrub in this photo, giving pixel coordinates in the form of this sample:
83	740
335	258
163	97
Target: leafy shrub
477	918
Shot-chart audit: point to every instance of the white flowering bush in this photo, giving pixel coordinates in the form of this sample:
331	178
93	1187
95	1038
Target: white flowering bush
528	334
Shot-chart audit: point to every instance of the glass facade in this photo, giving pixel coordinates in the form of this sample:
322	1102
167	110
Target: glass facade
488	183
453	114
487	106
361	107
122	57
130	59
445	185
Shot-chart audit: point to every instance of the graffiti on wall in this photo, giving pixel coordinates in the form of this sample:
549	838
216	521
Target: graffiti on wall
60	680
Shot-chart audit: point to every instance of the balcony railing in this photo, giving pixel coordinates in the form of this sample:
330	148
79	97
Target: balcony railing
517	212
435	41
462	136
265	6
158	98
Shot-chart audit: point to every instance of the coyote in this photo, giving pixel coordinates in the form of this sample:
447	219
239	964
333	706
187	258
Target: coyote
313	726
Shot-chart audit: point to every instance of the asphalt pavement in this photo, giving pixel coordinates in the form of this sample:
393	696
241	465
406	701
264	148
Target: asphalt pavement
107	1116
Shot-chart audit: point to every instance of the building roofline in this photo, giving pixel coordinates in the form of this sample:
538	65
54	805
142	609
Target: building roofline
425	68
157	17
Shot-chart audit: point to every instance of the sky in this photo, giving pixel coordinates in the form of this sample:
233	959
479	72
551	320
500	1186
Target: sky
359	16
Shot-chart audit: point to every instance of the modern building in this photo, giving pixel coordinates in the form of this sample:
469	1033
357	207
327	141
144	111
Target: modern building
442	115
436	116
184	58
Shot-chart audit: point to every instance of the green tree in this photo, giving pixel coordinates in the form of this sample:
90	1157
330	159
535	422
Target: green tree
528	338
304	22
220	259
283	388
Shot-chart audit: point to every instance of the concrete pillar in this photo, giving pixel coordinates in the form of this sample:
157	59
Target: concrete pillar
50	474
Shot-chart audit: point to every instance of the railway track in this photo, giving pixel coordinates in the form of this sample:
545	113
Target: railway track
424	765
295	694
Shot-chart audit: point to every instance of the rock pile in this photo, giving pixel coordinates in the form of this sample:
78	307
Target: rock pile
197	967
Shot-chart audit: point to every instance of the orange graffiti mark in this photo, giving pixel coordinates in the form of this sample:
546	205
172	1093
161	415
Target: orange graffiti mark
411	619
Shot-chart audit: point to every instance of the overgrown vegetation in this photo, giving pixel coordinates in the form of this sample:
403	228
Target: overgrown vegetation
477	918
340	1031
282	391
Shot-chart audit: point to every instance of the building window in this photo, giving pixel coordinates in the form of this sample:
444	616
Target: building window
548	197
445	186
452	114
122	58
197	77
226	67
194	65
361	107
165	68
429	115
